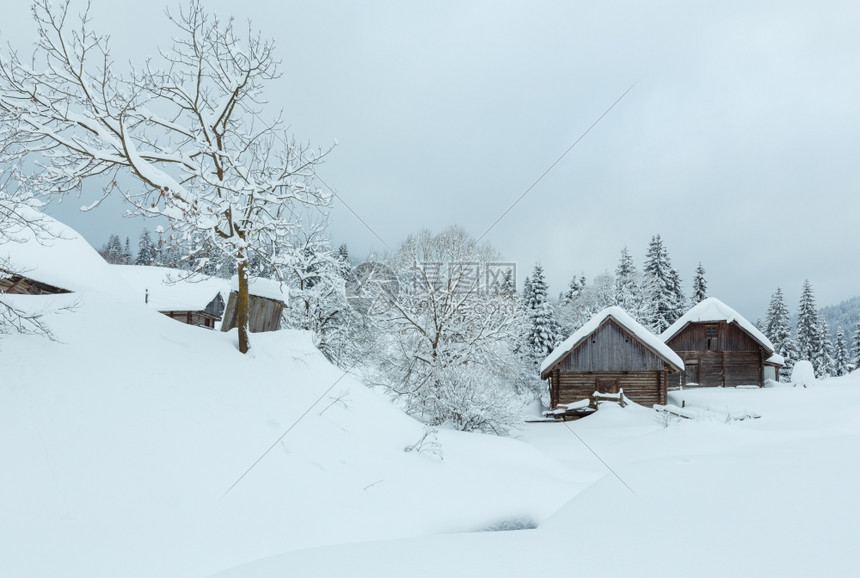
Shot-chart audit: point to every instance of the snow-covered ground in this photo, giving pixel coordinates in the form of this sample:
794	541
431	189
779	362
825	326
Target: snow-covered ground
121	444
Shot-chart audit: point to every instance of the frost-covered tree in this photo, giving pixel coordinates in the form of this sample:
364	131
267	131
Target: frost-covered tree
145	249
127	256
595	296
824	356
446	347
855	349
700	286
527	296
789	351
777	325
574	288
113	252
187	128
508	285
841	357
808	336
627	291
677	296
545	331
662	287
317	297
343	260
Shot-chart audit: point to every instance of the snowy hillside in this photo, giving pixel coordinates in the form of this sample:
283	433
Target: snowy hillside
119	441
137	446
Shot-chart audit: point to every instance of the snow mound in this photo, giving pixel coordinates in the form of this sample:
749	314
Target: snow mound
803	374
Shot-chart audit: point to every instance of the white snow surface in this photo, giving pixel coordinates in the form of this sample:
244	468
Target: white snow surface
624	319
128	448
172	290
712	309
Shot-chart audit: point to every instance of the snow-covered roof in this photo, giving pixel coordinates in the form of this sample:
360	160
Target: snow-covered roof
712	309
623	319
171	289
263	288
775	359
59	257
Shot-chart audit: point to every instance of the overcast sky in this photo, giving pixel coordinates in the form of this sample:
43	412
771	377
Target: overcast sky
739	143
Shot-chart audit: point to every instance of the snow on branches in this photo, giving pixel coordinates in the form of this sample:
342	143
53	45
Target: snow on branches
189	127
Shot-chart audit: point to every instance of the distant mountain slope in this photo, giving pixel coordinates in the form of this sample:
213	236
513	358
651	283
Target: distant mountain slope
843	316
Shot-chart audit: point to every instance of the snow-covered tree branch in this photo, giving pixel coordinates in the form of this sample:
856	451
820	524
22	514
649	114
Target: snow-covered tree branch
188	127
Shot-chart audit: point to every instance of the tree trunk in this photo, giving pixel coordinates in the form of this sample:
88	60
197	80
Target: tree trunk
242	306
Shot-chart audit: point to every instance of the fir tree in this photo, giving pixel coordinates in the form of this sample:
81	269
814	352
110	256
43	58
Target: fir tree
678	299
508	286
841	358
113	252
777	325
662	287
344	265
574	289
627	294
808	338
544	332
127	255
700	286
145	249
788	350
528	294
856	347
824	358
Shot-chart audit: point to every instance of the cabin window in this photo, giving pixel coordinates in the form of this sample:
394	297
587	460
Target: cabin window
710	331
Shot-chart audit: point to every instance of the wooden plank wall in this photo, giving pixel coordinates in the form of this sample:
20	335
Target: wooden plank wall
732	358
730	337
264	314
611	348
644	387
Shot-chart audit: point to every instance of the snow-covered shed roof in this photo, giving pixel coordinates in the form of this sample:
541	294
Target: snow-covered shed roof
56	255
624	320
775	359
170	289
712	309
266	288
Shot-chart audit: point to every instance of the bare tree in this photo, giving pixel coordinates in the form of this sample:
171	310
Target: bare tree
188	128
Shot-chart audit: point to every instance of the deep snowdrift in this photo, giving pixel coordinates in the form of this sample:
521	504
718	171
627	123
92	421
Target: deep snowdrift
119	441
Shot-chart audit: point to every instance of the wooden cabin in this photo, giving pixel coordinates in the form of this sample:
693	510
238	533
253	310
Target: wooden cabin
22	285
206	317
264	314
611	352
720	348
266	303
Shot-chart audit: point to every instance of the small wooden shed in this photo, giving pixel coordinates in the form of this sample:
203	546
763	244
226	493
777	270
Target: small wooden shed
266	304
611	352
720	348
23	285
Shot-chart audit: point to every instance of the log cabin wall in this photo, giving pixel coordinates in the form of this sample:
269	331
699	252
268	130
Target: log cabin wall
610	359
719	354
644	387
